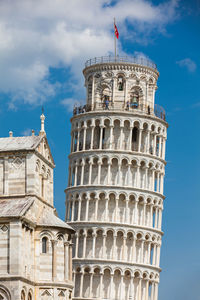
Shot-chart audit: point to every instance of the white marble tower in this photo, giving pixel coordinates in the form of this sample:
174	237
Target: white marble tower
115	190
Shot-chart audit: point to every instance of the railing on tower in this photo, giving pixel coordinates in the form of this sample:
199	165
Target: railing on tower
138	60
158	110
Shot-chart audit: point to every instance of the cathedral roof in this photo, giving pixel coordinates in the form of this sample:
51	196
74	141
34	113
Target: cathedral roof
19	143
14	207
49	219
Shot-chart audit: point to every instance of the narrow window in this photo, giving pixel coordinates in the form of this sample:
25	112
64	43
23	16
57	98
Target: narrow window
44	245
29	296
134	134
23	295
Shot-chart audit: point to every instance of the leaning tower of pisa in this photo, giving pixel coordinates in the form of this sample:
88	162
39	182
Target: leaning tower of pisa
114	197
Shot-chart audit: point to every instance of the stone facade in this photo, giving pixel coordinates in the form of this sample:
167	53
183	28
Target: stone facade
115	195
35	245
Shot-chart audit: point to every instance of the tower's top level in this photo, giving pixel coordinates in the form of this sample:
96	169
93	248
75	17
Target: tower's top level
136	60
121	84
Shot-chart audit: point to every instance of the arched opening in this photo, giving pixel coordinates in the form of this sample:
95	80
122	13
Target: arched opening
29	296
134	138
89	90
134	99
23	296
106	97
120	83
44	244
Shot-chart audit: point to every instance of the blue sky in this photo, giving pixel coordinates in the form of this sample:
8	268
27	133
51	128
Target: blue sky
44	45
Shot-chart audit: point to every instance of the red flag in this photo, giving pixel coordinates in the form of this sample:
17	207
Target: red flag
116	31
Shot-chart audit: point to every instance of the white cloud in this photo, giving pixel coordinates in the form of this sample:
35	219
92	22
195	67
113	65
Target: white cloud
69	103
37	35
26	132
188	63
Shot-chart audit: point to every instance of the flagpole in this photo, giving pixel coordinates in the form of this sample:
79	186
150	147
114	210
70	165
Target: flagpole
115	43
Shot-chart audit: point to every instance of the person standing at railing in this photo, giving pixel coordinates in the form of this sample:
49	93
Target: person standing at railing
128	105
106	103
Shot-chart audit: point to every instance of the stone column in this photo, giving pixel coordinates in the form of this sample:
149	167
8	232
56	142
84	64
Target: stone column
142	252
154	255
113	90
66	253
70	262
77	245
144	214
119	174
120	139
153	179
156	291
91	280
134	250
92	137
154	144
146	178
54	259
149	253
124	248
126	90
72	216
81	285
99	172
90	172
78	141
156	217
75	175
96	208
116	210
79	209
82	172
101	284
87	209
136	212
128	175
106	209
111	286
109	166
140	289
93	244
131	291
139	140
84	136
138	177
161	183
147	290
130	139
163	150
160	219
152	291
93	82
126	211
84	244
158	256
114	246
72	141
104	245
160	142
151	215
158	183
148	141
101	136
111	137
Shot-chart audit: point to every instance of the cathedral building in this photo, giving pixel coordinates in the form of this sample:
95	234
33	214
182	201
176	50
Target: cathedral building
114	198
35	245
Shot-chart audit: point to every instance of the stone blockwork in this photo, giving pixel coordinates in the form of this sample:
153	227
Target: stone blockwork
115	195
35	245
